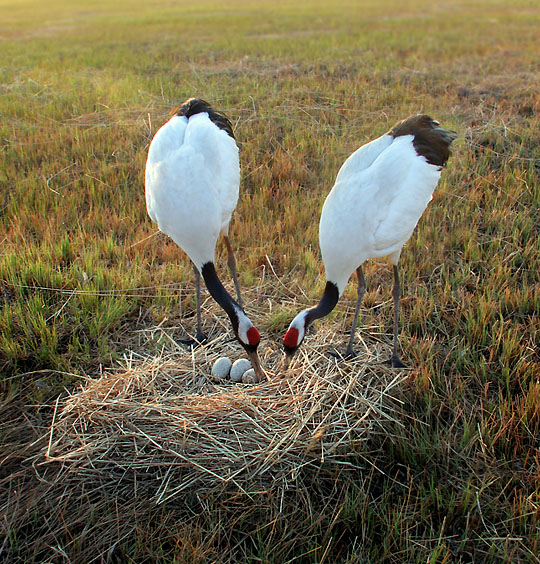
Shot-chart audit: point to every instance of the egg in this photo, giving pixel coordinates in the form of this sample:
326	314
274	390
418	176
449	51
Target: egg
238	369
249	377
221	367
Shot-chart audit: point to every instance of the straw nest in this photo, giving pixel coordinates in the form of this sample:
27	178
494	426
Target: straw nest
160	422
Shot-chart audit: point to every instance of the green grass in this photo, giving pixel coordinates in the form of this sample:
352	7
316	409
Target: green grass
83	89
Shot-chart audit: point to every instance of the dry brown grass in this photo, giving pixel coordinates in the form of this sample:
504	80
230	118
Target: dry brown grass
158	431
165	415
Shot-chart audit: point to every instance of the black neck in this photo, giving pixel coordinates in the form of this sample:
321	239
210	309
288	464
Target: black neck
326	305
218	292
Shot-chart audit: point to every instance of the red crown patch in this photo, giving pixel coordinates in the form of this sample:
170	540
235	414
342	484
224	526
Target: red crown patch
291	338
253	336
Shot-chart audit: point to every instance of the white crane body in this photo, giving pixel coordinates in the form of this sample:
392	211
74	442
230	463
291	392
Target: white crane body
192	183
379	195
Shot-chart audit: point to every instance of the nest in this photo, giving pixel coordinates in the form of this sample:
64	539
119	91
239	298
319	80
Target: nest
161	422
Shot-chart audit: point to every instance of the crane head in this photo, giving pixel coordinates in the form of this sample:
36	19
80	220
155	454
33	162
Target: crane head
249	338
294	336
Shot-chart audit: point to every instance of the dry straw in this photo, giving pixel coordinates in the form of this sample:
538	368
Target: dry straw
161	423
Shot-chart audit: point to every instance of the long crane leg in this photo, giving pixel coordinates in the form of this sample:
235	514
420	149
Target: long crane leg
349	353
200	337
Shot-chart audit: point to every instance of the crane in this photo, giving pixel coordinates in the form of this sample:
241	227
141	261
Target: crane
192	184
379	195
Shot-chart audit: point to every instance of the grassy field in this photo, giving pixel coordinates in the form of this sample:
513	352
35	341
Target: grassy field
83	89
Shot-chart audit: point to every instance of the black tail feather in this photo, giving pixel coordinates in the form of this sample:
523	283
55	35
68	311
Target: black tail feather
430	140
194	106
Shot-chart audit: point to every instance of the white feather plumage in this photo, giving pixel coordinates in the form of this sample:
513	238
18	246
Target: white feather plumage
192	183
379	195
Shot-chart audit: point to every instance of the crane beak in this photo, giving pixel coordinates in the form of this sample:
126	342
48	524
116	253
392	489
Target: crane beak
256	364
287	360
